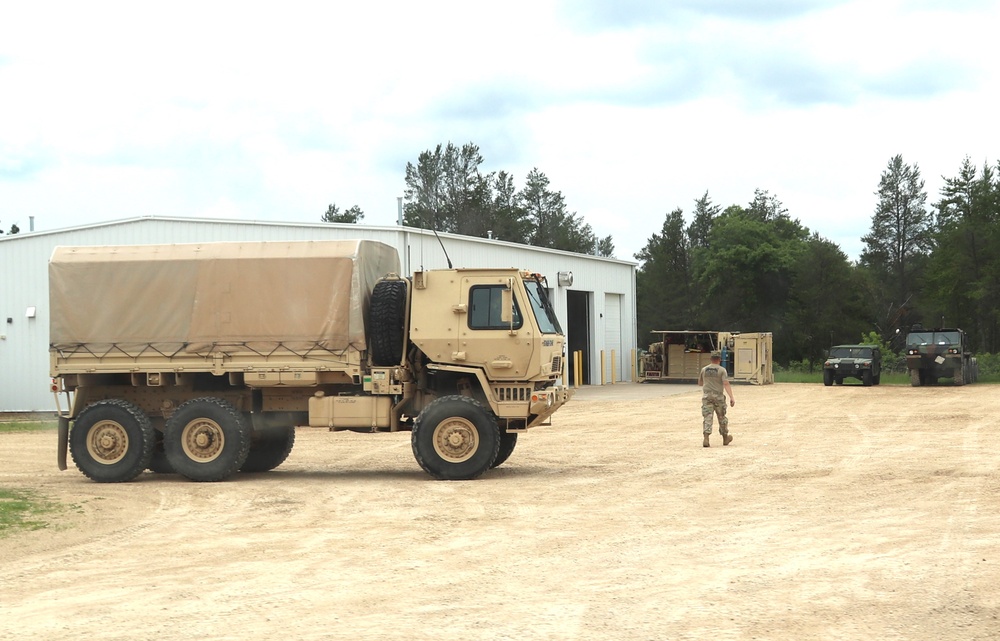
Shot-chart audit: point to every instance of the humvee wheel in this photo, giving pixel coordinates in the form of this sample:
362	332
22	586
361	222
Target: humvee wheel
915	378
455	438
866	378
112	441
388	318
877	379
960	375
507	442
828	377
206	439
269	447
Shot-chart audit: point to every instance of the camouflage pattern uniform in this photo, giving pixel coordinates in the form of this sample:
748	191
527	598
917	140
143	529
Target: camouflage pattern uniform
714	398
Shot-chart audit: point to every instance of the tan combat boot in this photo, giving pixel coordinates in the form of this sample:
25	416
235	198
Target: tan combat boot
705	442
727	439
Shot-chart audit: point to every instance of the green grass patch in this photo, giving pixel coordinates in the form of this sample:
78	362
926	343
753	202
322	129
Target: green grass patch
24	510
28	426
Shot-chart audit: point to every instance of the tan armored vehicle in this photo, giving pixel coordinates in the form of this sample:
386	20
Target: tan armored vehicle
202	359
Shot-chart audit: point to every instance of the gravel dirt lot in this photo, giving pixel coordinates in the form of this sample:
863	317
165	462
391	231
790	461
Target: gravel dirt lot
837	513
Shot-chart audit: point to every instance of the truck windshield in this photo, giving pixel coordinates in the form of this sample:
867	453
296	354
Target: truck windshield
542	307
851	352
933	338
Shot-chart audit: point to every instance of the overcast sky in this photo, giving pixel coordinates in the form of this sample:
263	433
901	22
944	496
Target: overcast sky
272	111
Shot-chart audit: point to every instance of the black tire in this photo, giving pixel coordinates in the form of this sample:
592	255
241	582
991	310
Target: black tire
828	377
866	378
507	442
839	380
916	380
455	438
877	379
959	375
159	464
206	439
112	441
388	318
269	447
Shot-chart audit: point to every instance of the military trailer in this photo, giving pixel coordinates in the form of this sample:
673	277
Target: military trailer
202	359
680	354
939	353
863	362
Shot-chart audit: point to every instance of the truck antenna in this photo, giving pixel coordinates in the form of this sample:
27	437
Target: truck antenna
434	229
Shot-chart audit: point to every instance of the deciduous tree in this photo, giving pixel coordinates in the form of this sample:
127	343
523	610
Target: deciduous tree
334	215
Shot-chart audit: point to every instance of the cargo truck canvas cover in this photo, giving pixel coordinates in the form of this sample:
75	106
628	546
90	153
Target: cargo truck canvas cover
222	297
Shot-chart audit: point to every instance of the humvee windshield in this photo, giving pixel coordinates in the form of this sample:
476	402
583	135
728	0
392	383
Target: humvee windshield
916	339
851	352
540	305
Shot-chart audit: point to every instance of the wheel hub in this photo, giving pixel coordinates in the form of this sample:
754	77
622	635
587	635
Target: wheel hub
203	440
456	440
107	442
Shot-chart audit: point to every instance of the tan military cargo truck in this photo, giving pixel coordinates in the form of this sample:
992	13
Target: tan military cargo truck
202	359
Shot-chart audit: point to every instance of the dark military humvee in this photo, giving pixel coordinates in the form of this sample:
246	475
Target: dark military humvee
863	362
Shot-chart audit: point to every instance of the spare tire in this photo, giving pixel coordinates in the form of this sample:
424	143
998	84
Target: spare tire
388	320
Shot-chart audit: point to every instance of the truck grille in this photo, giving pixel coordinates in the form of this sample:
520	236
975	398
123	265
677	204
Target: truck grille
511	393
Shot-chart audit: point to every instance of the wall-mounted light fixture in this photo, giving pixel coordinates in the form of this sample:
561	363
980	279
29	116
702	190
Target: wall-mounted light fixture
566	279
30	312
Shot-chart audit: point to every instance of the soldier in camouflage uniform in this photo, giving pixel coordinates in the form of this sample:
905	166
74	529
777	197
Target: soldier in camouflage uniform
715	380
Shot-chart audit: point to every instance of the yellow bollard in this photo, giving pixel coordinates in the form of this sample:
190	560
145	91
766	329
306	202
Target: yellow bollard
602	367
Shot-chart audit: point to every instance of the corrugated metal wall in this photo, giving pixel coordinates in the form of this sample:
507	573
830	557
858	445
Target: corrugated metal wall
24	362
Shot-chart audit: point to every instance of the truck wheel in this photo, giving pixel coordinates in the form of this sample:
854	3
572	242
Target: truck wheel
269	448
960	375
915	378
455	438
828	377
206	439
876	379
866	378
388	317
507	442
112	441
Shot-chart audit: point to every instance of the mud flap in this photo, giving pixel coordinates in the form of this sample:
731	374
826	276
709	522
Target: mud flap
63	441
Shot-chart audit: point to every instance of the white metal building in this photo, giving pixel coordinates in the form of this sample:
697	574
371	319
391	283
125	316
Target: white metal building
594	297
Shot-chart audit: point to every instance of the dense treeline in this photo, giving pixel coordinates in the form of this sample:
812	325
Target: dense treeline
755	268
